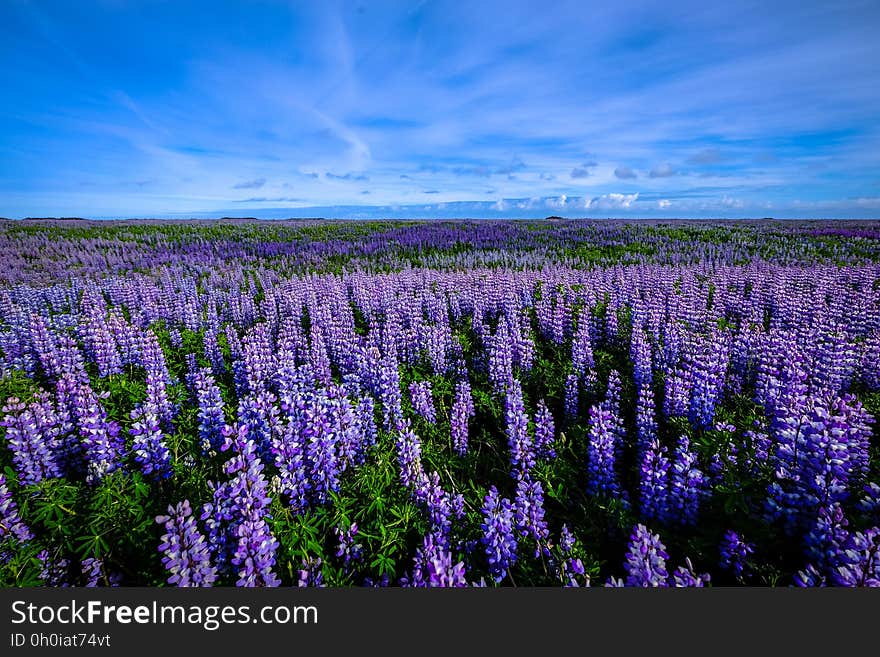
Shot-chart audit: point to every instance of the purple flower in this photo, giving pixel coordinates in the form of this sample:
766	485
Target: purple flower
646	559
498	534
462	411
545	431
238	531
54	571
409	458
645	564
688	486
148	445
311	573
185	552
654	493
32	433
572	397
735	553
602	454
210	403
95	574
11	524
422	401
348	549
434	566
821	451
529	512
520	443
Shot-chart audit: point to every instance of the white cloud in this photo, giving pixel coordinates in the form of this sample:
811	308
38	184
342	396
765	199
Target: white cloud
557	202
664	203
730	202
612	201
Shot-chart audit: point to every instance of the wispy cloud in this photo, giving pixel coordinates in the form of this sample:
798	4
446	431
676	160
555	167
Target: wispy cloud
705	156
265	199
250	184
625	173
360	177
664	170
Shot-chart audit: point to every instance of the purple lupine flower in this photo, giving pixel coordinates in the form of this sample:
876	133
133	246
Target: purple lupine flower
148	444
688	485
860	560
409	458
258	411
96	575
311	573
520	443
99	436
498	534
654	493
257	358
44	347
566	540
54	571
99	342
175	338
646	423
192	368
32	433
288	454
210	414
582	360
389	392
212	350
708	373
545	432
442	508
809	577
348	548
366	419
646	559
602	454
434	566
422	401
236	518
462	411
821	452
572	397
185	553
11	524
646	564
321	449
529	513
735	553
612	396
158	378
640	353
685	577
500	356
570	568
824	542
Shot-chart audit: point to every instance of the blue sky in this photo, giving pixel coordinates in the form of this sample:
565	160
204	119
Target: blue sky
266	108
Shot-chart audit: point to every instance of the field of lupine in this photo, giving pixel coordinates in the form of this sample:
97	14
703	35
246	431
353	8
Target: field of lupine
439	403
